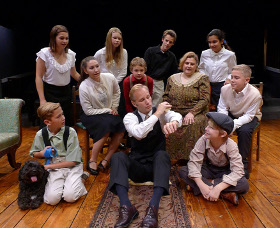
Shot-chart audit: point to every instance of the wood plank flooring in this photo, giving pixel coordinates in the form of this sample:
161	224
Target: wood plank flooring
260	207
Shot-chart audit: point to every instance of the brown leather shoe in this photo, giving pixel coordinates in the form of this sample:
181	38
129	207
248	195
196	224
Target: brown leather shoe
231	197
126	216
189	188
151	218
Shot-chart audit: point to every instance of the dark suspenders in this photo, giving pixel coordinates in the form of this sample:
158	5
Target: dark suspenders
130	82
209	163
46	139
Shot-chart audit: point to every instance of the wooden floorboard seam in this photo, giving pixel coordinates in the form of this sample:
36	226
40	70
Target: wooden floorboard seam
265	195
202	211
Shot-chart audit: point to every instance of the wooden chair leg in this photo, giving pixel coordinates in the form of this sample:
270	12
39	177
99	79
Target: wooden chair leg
250	157
12	159
258	145
86	146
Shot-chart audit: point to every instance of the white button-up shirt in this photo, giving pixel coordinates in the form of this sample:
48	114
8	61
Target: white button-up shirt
217	66
141	130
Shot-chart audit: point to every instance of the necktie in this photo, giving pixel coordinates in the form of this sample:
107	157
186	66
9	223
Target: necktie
146	117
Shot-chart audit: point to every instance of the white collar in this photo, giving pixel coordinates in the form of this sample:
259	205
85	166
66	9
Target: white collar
220	53
243	91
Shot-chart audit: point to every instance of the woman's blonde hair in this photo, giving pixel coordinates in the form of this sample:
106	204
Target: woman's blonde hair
45	111
118	55
189	54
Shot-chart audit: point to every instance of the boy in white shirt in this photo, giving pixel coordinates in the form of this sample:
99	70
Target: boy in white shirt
242	102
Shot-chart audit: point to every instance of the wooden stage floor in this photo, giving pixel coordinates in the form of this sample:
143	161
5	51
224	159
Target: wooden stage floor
260	207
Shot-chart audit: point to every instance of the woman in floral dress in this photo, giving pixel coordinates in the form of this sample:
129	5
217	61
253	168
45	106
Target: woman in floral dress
188	92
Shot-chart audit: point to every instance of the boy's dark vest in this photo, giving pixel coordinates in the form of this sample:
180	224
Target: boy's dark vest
144	149
208	162
46	139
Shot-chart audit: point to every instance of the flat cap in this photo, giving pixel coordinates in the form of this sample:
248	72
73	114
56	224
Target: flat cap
222	120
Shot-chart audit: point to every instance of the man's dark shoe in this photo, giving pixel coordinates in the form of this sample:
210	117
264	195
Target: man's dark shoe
151	218
126	216
231	197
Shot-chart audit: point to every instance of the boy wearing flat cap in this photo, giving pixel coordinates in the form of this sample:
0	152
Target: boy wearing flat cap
215	167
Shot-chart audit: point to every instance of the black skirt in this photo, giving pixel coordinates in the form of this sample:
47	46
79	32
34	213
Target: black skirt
99	125
62	95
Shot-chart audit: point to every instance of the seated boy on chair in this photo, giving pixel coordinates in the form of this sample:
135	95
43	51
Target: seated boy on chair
215	168
241	101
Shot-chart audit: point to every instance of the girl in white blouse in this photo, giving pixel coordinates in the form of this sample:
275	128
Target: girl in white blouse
99	97
113	57
217	63
54	65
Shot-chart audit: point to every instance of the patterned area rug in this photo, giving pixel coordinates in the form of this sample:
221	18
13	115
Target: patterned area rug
172	209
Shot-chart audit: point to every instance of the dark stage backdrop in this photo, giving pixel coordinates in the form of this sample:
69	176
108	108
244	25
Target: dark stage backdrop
142	24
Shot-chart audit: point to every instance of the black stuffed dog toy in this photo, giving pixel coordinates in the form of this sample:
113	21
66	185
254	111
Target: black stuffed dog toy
32	180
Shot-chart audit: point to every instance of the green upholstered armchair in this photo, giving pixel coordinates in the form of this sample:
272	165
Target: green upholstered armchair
10	128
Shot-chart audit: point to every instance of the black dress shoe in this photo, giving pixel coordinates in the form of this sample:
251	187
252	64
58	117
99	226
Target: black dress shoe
100	166
91	170
126	216
151	218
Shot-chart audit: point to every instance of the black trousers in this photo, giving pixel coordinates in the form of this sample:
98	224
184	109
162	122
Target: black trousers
244	134
216	174
156	170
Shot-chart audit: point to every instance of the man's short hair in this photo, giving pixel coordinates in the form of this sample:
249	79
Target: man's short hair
134	88
245	70
171	33
45	111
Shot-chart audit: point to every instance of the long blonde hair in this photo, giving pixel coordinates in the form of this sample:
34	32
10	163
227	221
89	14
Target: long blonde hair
110	56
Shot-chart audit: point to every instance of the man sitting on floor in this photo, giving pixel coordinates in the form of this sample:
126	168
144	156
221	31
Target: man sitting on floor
148	160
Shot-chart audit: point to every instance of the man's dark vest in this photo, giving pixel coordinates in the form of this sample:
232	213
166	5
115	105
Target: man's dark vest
144	149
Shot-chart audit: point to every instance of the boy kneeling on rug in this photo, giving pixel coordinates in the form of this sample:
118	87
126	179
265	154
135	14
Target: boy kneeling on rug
59	146
215	168
148	160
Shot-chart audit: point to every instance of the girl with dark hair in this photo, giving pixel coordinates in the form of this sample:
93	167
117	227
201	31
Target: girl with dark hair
99	96
54	65
217	63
